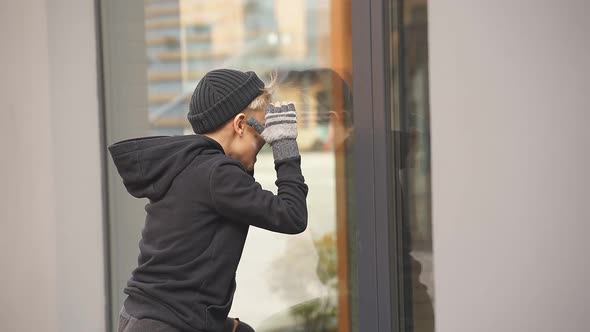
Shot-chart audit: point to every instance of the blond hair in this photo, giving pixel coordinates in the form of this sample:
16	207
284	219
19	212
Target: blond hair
266	96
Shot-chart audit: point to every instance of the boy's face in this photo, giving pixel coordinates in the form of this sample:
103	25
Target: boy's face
250	142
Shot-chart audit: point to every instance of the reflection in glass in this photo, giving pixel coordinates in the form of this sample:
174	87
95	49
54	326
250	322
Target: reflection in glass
298	283
411	138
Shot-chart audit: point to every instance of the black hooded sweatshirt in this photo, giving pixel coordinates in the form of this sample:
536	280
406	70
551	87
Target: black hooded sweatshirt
201	204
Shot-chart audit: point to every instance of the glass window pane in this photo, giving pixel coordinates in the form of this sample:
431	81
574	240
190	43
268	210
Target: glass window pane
153	63
408	86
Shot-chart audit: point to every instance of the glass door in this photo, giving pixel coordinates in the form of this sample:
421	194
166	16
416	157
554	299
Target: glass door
155	52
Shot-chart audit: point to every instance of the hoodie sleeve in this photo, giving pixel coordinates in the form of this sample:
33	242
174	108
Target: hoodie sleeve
239	198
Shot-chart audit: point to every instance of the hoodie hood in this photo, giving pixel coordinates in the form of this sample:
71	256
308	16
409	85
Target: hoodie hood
149	165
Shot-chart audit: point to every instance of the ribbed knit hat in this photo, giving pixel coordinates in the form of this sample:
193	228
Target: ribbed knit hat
220	95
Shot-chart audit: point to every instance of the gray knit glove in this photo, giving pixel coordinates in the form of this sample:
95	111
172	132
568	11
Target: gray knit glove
280	130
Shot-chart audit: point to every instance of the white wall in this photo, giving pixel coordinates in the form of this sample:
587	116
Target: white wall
51	243
28	236
510	95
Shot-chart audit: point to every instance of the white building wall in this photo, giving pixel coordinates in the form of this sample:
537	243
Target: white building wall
509	84
51	243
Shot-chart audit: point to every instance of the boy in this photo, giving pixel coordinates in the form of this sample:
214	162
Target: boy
202	200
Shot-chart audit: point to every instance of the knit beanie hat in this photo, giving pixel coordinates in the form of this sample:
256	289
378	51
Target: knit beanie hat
220	95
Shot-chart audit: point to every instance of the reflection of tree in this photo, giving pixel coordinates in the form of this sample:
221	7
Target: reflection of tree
318	315
292	275
291	278
326	269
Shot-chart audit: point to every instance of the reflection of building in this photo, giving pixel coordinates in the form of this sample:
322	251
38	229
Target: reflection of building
163	44
315	93
187	38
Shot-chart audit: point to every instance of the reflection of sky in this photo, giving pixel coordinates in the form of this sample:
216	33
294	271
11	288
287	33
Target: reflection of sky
255	301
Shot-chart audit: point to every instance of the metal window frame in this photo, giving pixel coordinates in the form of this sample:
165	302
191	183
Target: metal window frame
379	252
108	317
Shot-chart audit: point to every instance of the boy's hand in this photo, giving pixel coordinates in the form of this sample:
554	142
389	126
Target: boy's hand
280	130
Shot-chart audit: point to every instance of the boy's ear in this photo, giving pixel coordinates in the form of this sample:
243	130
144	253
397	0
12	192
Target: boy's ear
239	123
